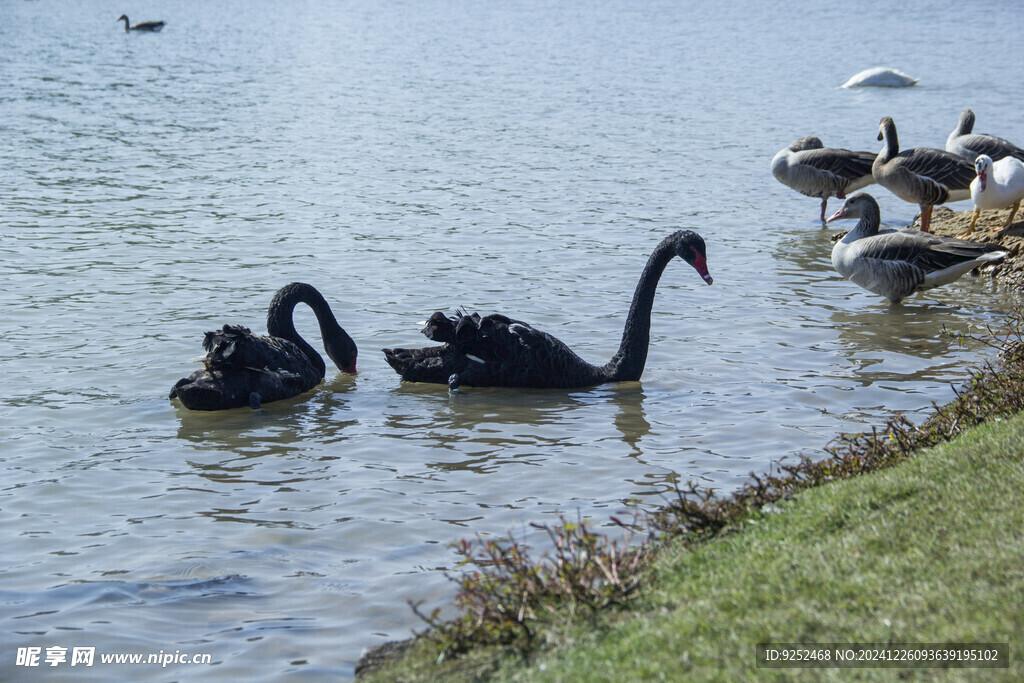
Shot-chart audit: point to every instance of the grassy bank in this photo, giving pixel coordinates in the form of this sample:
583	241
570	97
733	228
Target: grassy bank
927	551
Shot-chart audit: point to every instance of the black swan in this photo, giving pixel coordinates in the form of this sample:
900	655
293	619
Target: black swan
241	368
498	351
141	26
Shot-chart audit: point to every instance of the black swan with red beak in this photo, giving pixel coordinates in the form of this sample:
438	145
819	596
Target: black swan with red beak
497	351
241	368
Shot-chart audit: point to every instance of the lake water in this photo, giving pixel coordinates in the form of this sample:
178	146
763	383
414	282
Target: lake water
407	157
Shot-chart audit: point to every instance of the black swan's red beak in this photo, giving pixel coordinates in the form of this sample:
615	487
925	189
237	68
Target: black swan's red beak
700	264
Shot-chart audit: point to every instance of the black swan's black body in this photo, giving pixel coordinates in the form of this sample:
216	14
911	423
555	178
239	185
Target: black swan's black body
151	26
497	351
241	368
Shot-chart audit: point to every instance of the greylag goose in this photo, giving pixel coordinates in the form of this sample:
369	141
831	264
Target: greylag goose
967	144
880	77
812	169
141	26
897	263
497	351
241	368
924	176
999	185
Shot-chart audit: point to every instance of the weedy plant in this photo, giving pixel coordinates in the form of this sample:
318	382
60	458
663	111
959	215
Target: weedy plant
506	591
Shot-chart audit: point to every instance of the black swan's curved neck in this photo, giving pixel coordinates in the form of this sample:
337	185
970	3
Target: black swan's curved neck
628	363
338	344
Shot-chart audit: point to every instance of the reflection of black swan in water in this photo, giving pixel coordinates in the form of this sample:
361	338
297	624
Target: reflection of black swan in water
498	351
241	368
141	26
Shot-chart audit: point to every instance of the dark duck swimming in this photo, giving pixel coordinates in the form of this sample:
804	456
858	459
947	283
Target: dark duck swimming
151	26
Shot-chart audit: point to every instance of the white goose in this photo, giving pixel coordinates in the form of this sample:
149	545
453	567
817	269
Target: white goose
812	169
897	263
923	176
999	185
967	144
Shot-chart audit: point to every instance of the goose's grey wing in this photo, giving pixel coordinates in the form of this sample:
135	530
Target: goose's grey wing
844	163
993	146
922	250
925	176
942	167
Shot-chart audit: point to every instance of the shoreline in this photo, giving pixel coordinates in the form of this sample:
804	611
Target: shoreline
714	514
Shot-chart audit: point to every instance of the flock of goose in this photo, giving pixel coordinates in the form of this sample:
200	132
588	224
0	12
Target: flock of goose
241	368
897	263
923	175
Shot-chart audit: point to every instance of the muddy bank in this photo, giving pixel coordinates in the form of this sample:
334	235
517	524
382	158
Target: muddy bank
951	223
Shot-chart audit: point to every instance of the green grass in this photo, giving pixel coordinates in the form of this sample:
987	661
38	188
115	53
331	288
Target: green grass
929	551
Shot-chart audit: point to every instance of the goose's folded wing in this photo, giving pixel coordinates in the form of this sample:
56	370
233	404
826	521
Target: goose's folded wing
993	146
941	167
841	162
922	250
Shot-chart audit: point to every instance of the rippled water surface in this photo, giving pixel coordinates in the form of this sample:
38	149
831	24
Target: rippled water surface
406	157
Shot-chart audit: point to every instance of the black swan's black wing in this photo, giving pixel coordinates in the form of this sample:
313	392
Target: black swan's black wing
238	364
432	365
493	350
236	348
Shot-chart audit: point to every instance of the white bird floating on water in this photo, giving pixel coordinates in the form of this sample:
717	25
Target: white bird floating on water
880	77
897	263
999	185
